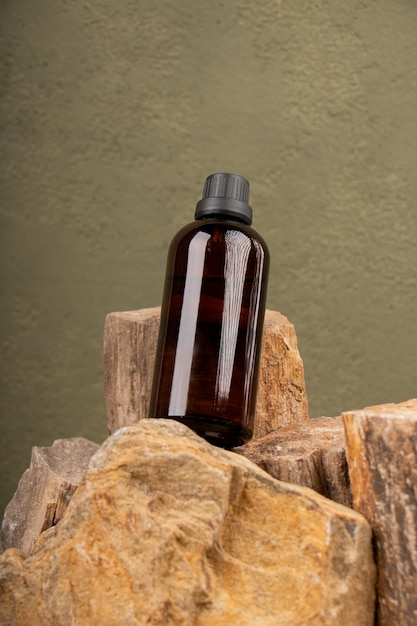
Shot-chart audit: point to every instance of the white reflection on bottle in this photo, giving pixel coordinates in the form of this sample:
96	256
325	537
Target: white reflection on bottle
252	328
188	324
238	246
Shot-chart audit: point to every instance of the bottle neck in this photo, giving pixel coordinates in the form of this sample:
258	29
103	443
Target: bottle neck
221	217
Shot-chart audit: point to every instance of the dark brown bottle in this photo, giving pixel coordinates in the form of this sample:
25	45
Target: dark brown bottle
212	316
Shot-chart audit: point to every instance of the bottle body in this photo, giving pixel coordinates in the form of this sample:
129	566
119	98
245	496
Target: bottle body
210	335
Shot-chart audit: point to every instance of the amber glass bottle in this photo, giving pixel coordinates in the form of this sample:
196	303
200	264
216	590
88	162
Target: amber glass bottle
212	315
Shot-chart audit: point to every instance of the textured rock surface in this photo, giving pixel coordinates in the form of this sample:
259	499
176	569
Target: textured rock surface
44	491
168	530
381	446
282	397
129	354
310	453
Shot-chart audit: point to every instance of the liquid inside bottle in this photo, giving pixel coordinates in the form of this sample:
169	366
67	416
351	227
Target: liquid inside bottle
210	334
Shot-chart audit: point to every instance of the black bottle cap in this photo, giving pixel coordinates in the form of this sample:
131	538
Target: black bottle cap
225	195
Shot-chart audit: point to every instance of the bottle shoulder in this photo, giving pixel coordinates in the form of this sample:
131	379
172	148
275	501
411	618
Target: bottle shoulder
216	229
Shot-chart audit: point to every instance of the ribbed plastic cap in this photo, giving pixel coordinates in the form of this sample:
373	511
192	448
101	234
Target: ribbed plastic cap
225	195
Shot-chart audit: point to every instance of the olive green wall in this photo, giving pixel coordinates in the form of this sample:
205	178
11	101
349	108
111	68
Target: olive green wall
114	112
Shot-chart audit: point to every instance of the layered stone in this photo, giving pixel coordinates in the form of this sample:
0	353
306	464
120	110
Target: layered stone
310	453
44	491
381	447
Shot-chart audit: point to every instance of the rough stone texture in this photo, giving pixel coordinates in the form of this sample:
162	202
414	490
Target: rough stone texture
167	530
310	453
44	491
282	397
381	447
129	353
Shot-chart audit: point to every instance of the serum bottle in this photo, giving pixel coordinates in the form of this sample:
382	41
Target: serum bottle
212	314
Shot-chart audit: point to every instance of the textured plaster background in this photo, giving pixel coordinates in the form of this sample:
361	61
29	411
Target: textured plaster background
113	113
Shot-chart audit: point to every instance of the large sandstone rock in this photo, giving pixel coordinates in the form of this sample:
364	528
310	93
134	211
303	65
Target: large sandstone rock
129	353
381	447
168	530
309	453
44	491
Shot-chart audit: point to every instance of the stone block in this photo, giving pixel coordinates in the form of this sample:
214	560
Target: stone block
129	353
44	491
381	448
310	453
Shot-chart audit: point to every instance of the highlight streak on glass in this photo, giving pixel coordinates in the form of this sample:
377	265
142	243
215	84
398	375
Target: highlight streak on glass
188	324
252	328
238	247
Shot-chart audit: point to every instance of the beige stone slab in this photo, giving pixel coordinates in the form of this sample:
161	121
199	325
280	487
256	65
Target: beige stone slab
168	530
381	447
310	453
129	353
129	350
